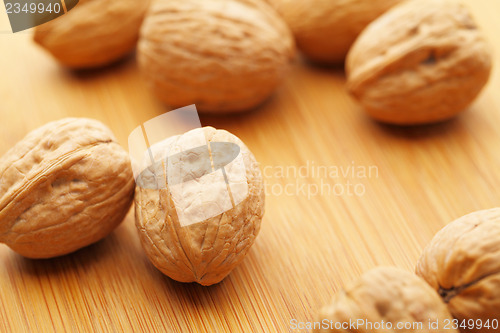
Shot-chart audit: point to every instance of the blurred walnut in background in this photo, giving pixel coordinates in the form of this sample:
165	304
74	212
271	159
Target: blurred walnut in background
325	29
222	55
94	33
423	61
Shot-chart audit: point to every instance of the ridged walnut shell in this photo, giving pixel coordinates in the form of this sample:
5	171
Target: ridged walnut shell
390	296
423	61
222	55
64	186
94	33
207	251
324	30
462	263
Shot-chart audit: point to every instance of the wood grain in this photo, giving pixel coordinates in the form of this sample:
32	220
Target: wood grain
309	245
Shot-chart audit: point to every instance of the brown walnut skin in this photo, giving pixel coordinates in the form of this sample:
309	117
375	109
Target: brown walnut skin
390	295
222	55
204	252
462	263
324	30
423	61
64	186
94	33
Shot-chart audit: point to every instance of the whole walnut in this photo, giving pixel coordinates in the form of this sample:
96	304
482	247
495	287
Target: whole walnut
200	205
423	61
94	33
324	30
386	299
64	186
222	55
462	263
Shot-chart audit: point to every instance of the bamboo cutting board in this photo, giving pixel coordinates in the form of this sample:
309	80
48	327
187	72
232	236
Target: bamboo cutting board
312	142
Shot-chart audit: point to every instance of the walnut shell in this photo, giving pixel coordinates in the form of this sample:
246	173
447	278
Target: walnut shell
64	186
421	62
390	297
462	263
207	251
324	30
222	55
94	33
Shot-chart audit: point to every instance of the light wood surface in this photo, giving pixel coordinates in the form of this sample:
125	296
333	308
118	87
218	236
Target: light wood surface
309	245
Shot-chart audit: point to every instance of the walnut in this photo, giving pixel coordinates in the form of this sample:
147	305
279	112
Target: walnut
325	29
384	298
94	33
222	55
421	62
199	209
462	263
64	186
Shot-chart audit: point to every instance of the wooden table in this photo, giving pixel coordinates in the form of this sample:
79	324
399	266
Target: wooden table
310	245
